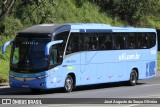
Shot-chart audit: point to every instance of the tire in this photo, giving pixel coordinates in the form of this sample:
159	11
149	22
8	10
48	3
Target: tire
68	86
133	78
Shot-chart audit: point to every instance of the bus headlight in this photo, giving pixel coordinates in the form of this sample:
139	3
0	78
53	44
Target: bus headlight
44	76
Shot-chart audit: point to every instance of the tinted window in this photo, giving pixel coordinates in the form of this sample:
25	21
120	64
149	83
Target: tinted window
105	41
109	41
151	40
74	43
62	36
28	54
141	40
54	55
131	41
90	41
119	41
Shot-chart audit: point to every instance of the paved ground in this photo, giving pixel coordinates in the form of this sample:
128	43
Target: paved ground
158	73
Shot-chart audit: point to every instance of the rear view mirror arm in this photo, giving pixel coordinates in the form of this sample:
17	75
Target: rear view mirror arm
51	44
5	45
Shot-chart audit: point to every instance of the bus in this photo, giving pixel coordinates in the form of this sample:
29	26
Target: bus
50	56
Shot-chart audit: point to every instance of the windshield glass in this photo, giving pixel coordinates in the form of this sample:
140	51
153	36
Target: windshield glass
28	54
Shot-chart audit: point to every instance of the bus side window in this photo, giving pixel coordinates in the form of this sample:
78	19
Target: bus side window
105	41
61	47
118	41
86	42
131	41
142	40
90	41
53	55
151	40
93	41
74	43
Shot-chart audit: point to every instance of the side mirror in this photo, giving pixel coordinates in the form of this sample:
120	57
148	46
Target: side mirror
51	44
5	45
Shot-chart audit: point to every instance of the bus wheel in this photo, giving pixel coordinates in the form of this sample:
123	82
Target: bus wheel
68	86
133	78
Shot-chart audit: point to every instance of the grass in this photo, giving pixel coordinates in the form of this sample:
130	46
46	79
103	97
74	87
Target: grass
4	60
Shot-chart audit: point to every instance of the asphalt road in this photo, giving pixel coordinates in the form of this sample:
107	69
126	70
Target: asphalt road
149	88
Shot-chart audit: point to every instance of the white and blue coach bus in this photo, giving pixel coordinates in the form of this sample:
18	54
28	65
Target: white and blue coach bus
68	55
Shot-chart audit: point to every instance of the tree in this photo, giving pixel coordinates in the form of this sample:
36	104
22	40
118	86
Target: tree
6	7
131	11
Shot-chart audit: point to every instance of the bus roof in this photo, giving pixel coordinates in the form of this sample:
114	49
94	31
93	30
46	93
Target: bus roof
52	28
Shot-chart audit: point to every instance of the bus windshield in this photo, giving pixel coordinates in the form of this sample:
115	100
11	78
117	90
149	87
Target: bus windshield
28	54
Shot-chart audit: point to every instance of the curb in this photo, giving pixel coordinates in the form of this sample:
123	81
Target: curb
1	87
4	84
